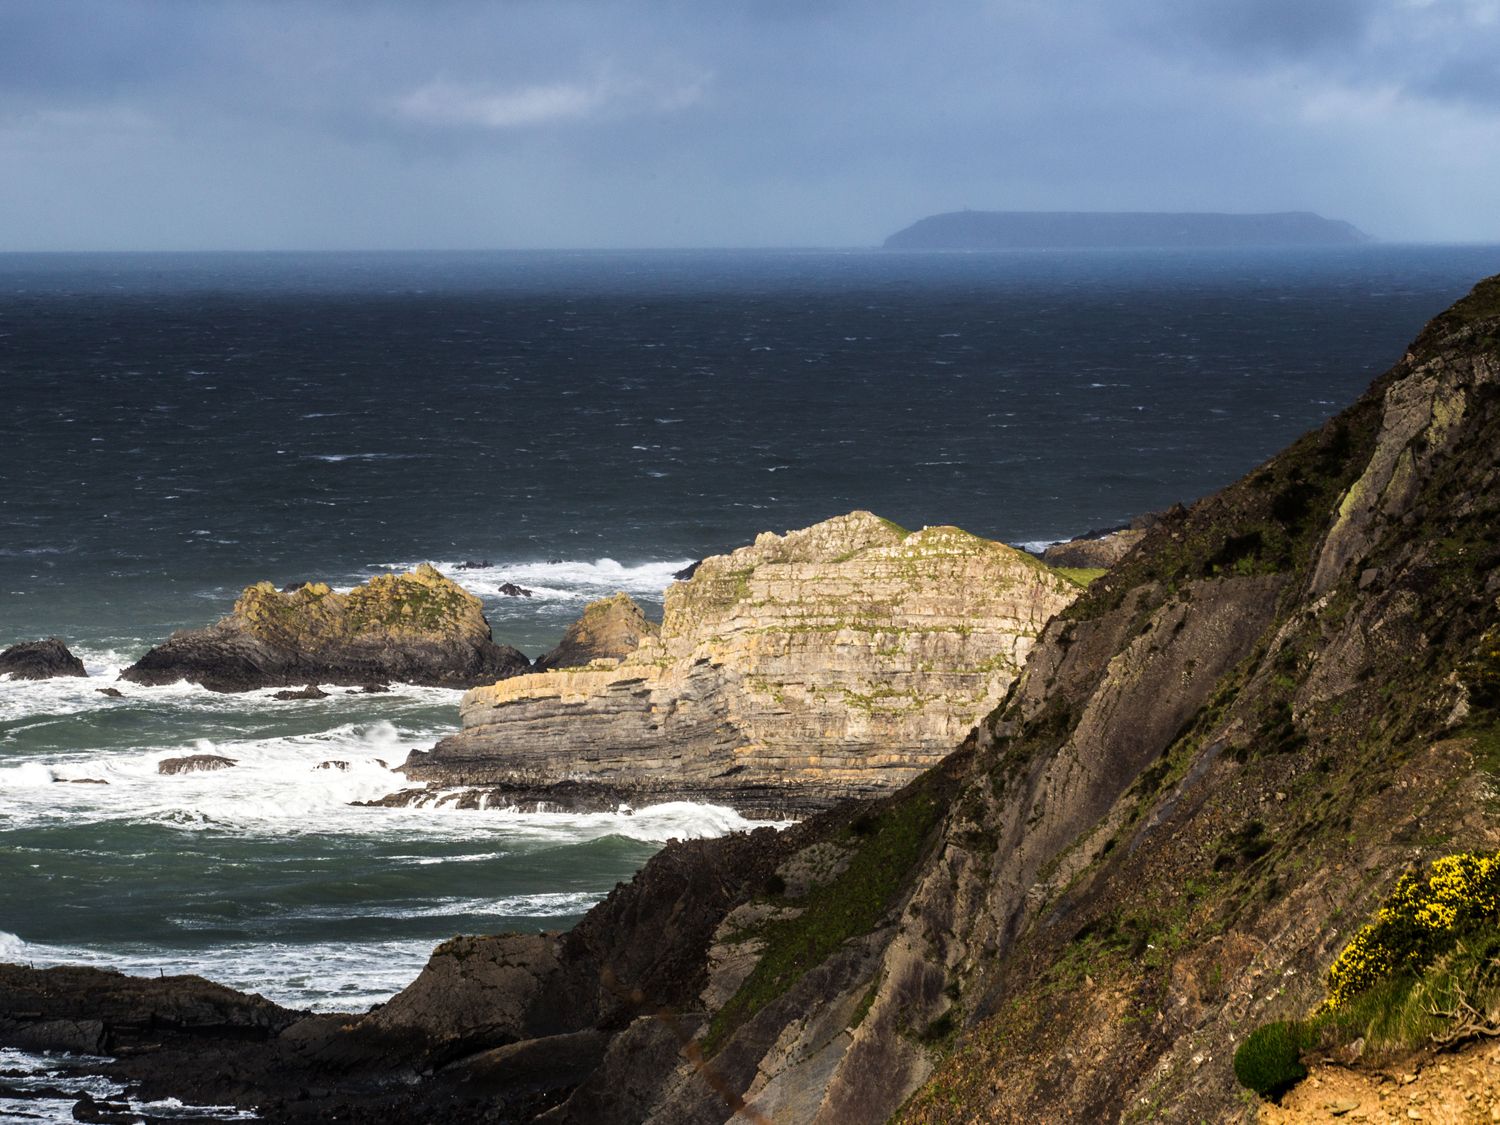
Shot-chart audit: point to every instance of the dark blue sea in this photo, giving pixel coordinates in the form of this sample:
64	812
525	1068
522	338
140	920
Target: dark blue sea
177	426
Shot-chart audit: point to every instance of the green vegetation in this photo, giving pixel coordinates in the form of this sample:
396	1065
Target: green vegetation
888	841
1426	970
1418	922
1081	575
1270	1060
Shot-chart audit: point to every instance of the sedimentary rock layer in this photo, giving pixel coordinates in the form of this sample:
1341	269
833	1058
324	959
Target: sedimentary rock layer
418	628
838	660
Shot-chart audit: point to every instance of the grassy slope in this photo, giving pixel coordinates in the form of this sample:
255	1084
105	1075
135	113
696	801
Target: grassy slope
1303	810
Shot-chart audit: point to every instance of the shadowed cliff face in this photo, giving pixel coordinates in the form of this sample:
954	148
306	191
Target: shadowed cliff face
839	660
1215	762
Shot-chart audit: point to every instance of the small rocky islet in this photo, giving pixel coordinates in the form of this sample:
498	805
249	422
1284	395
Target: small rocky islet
40	660
419	627
1214	768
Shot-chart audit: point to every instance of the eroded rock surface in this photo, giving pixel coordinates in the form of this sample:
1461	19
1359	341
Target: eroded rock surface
40	660
195	763
609	629
838	660
418	627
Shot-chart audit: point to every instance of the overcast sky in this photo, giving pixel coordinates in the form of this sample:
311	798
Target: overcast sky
188	124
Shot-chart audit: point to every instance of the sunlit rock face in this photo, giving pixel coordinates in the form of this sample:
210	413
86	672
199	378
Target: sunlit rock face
418	627
838	660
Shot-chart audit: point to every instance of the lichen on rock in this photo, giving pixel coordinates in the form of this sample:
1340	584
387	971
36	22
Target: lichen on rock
418	627
836	660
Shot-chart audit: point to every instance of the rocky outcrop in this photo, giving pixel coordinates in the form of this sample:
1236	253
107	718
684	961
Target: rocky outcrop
1217	762
1098	550
40	660
609	629
195	763
418	628
838	660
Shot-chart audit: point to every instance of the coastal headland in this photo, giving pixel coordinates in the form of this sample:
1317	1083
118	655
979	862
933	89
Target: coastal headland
835	661
1213	771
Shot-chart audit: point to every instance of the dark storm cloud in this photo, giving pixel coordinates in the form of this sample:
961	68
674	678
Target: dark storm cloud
623	122
1286	28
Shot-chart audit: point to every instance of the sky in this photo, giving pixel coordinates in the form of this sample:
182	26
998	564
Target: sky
397	124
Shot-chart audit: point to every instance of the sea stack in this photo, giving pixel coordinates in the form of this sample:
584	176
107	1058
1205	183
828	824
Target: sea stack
418	628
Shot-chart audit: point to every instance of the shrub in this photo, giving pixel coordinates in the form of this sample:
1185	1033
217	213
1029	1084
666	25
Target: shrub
1417	923
1270	1060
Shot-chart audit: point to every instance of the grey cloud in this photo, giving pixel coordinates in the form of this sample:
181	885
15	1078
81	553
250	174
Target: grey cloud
625	122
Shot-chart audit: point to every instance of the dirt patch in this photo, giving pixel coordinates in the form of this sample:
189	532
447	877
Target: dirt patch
1462	1088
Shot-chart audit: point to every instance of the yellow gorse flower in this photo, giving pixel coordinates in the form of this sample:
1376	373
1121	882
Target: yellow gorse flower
1419	920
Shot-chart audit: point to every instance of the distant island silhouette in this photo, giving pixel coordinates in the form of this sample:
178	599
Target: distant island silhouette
1070	230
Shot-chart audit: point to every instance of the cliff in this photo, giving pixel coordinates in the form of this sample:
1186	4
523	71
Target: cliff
418	628
839	660
1074	230
1217	764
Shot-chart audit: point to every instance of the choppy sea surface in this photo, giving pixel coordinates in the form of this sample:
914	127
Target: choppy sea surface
177	426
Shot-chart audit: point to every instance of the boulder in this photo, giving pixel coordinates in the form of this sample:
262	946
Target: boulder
418	627
609	629
311	691
40	660
195	763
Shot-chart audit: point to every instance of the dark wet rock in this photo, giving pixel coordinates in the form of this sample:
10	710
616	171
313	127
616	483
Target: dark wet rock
111	692
40	660
195	763
511	590
687	572
418	628
333	765
610	628
474	564
25	1093
83	780
103	1112
311	691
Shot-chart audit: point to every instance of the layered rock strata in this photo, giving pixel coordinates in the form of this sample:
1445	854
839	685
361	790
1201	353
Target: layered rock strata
834	661
418	627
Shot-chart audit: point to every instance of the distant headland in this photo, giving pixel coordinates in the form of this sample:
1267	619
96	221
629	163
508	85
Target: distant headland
1078	230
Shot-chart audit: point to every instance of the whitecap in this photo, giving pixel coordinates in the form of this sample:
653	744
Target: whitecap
566	580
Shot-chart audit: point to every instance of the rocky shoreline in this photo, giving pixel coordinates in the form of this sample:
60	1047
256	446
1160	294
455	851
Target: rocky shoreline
1218	757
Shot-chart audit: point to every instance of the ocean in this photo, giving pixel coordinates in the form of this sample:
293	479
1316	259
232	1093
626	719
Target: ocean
178	426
